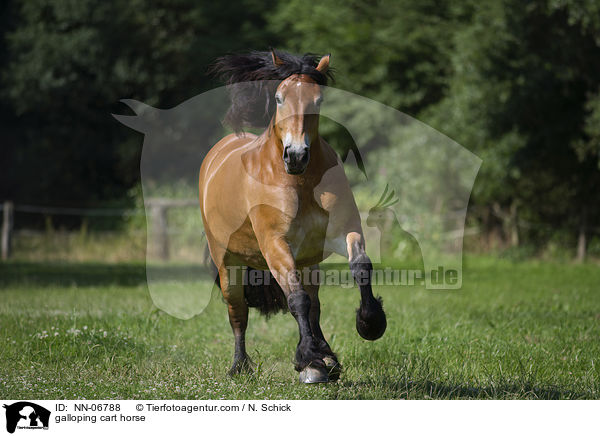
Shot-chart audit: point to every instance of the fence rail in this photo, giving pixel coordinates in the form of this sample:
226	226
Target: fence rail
157	207
77	211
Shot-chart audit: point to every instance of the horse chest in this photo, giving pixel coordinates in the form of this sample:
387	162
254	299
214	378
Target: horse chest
307	232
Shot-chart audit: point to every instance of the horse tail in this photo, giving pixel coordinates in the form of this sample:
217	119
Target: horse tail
265	295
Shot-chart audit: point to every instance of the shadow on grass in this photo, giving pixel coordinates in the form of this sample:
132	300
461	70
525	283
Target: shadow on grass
405	388
89	274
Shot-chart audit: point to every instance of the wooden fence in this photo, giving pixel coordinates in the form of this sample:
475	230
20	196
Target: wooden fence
157	208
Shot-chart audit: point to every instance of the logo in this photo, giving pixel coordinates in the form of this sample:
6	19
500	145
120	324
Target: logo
26	415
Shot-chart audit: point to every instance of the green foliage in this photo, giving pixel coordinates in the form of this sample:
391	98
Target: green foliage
396	52
522	98
67	65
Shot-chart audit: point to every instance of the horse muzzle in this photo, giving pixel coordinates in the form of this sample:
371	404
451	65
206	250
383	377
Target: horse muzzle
296	159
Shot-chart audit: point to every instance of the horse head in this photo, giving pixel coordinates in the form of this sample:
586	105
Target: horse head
298	100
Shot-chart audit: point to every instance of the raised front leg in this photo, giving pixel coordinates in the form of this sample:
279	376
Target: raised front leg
344	236
370	318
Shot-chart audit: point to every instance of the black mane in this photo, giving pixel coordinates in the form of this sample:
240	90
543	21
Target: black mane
264	76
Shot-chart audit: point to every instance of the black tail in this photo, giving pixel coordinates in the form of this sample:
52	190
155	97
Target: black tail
261	291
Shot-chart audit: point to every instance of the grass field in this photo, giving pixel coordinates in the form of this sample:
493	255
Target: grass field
516	330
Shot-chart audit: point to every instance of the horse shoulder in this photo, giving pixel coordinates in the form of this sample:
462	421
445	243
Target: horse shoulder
333	189
333	194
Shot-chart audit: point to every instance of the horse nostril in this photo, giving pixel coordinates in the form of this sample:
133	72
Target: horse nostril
304	157
286	154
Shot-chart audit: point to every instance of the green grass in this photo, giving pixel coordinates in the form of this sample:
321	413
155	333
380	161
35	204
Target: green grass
516	330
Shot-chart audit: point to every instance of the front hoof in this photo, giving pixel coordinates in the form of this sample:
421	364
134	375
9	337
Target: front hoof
313	375
370	320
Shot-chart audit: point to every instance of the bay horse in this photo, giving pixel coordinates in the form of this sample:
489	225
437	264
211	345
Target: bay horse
279	202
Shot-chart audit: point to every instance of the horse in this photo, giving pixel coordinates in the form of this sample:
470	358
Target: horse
278	202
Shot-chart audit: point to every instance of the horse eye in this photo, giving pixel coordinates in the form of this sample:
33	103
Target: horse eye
278	99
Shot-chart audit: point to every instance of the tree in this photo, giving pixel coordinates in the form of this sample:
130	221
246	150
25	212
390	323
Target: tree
68	63
523	74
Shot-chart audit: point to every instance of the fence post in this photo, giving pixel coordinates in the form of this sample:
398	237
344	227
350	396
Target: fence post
582	238
159	207
7	226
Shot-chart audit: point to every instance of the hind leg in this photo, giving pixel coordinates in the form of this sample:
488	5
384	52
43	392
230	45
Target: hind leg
331	362
233	292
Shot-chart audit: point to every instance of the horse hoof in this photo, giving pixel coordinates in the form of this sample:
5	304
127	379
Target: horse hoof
370	321
333	367
242	366
313	375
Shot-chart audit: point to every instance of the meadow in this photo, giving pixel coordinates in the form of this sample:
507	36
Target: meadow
516	330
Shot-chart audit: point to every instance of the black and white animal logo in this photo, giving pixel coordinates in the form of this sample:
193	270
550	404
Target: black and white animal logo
26	415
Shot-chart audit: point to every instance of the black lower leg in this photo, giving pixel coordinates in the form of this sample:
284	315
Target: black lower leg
307	352
334	369
332	364
370	318
320	338
315	326
241	361
238	318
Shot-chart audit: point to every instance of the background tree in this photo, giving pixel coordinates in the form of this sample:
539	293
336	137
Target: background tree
519	98
67	64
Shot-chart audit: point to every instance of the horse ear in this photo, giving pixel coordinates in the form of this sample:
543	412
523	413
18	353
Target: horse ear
324	64
276	59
